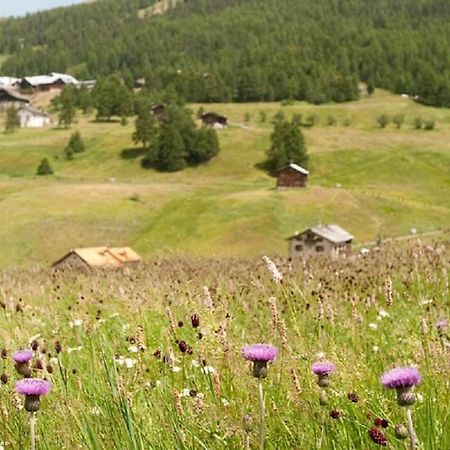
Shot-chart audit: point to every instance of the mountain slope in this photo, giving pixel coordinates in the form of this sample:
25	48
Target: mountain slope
245	50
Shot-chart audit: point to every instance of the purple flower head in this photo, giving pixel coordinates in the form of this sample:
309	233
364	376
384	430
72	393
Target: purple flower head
33	386
401	377
260	352
323	368
442	324
22	356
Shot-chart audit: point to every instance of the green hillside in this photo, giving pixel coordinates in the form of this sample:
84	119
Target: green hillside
243	50
369	180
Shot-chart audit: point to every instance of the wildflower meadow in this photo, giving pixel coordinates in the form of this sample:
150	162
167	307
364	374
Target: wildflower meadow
347	353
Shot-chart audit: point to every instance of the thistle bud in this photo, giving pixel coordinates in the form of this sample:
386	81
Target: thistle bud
401	432
32	403
260	369
405	397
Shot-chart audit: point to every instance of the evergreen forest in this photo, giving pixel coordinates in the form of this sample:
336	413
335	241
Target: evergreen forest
244	50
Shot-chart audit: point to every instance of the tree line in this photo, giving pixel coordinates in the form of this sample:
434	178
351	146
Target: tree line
244	50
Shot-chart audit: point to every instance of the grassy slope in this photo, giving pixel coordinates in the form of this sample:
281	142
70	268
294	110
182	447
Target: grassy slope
391	180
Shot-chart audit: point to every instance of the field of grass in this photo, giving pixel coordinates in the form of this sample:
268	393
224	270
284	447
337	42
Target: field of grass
369	180
150	358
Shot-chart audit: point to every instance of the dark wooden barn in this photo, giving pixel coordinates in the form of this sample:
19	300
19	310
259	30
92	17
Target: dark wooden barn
214	120
158	111
292	176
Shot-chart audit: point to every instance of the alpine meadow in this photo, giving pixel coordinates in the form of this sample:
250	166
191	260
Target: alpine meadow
225	225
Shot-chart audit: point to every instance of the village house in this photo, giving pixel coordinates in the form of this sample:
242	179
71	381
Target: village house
31	117
8	82
292	176
10	98
330	239
214	120
53	81
98	257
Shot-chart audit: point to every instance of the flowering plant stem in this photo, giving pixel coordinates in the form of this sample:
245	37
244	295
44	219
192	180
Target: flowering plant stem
33	430
411	432
262	433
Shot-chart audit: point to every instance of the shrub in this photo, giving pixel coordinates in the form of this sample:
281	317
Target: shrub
383	120
398	120
429	125
44	168
418	123
331	121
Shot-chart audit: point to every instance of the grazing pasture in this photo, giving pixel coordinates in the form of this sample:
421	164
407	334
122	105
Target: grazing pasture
150	358
369	180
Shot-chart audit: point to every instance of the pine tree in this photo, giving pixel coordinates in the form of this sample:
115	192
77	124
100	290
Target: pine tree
75	145
170	150
206	146
287	146
12	120
67	105
44	168
145	127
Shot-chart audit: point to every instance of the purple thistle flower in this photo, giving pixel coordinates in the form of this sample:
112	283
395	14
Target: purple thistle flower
401	377
378	437
22	356
442	324
260	352
33	387
323	368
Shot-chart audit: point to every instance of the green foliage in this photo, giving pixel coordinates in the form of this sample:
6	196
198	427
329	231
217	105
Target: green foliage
429	125
418	123
112	98
398	120
278	117
206	146
44	167
75	145
66	104
200	112
312	120
297	119
383	120
169	149
320	53
179	143
145	126
247	117
287	146
331	121
262	116
12	120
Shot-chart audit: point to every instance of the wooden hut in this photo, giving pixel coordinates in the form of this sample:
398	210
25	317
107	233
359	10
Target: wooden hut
292	176
98	257
212	119
330	239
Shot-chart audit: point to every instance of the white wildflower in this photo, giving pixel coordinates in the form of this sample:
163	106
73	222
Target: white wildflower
133	348
375	348
373	326
208	370
272	268
176	369
129	363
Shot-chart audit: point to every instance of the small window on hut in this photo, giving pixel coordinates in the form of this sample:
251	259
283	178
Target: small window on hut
298	248
319	248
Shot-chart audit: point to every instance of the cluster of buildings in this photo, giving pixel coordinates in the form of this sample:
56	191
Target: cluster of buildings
17	93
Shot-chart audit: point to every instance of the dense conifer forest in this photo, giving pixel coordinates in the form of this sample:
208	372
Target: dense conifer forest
244	50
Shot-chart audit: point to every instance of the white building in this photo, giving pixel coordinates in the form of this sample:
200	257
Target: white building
32	117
